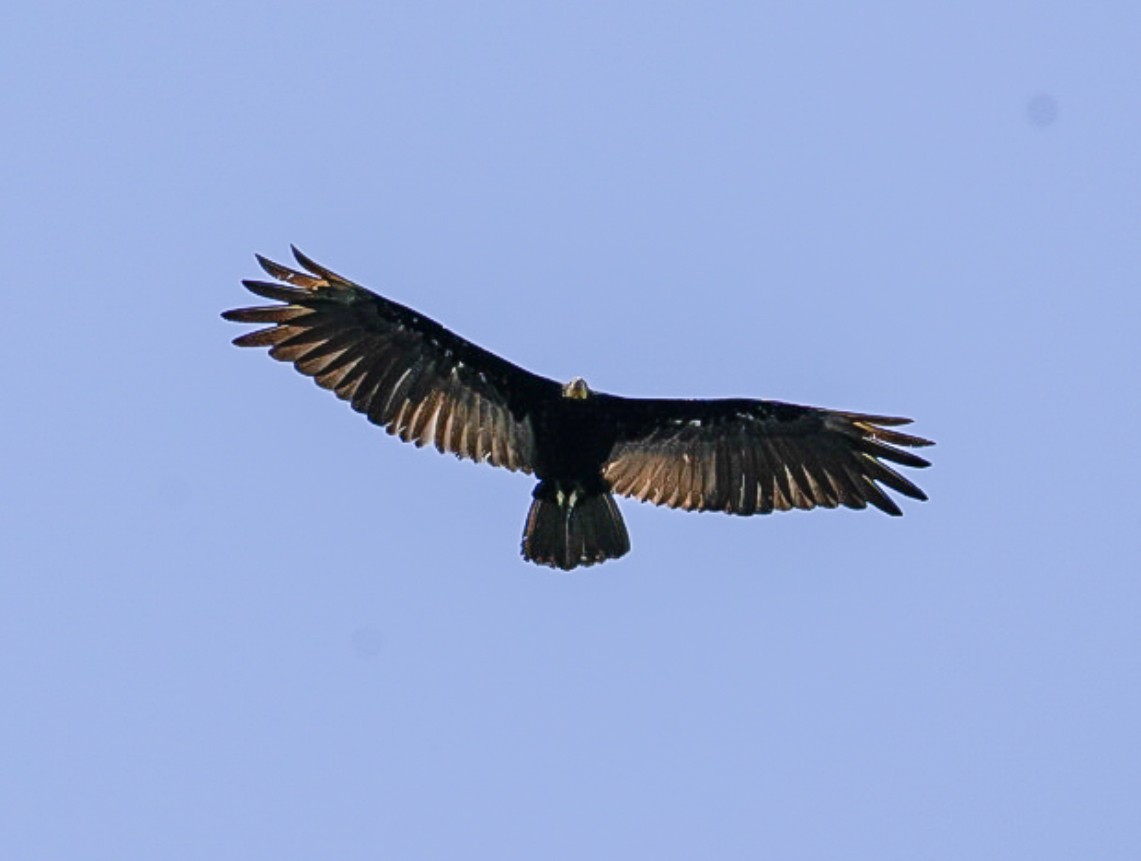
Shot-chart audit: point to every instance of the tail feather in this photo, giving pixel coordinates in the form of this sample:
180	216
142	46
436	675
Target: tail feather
565	530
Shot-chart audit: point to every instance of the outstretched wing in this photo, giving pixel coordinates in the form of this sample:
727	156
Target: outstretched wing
405	372
753	457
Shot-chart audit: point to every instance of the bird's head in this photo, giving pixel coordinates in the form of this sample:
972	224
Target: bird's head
576	389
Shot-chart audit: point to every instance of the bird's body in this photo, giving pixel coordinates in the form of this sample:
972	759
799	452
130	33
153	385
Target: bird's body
428	385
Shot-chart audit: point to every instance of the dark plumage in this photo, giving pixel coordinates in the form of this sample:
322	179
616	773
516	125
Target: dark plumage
427	385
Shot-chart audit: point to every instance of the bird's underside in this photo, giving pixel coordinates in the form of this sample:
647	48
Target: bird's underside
427	385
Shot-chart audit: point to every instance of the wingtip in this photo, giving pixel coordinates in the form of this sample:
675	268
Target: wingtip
910	440
885	421
304	261
312	266
283	273
267	265
884	502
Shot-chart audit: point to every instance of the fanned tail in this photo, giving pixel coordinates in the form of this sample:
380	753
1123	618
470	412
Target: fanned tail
566	529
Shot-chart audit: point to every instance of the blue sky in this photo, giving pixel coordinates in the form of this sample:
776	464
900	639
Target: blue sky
238	621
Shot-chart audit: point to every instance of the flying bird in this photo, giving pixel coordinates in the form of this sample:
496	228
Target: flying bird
427	385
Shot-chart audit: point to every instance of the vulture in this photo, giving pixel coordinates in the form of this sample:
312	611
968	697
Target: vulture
427	385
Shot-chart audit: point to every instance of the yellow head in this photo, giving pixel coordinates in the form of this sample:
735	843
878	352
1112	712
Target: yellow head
576	389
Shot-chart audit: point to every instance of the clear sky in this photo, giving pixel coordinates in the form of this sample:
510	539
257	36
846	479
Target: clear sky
237	621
